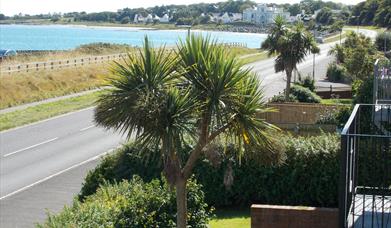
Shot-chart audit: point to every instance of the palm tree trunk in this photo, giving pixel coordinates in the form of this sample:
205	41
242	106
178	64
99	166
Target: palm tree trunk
288	83
181	203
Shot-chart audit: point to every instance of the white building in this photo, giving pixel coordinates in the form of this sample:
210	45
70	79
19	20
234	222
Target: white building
165	19
225	18
149	19
138	19
264	15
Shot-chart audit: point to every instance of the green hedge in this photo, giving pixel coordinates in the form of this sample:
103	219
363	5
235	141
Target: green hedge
304	94
308	177
132	204
298	93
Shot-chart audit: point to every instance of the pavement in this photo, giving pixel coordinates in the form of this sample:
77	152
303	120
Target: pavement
42	165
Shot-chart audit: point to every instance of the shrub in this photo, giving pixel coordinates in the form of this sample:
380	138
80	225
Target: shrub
308	177
308	82
280	98
337	73
338	116
382	39
304	94
363	91
132	203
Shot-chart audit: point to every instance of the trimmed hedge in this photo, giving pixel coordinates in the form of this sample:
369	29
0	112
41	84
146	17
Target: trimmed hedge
132	203
298	93
308	177
305	95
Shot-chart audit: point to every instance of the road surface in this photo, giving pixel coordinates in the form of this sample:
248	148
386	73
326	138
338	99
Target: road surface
42	165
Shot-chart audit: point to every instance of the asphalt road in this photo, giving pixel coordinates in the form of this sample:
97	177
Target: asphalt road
43	165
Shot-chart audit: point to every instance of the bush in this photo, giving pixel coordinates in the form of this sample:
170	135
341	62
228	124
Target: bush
308	177
308	82
380	38
132	203
304	94
338	116
280	98
363	91
337	73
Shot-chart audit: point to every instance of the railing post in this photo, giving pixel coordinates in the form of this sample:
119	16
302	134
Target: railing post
342	204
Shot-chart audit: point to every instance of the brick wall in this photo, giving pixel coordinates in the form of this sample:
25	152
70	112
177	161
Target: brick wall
267	216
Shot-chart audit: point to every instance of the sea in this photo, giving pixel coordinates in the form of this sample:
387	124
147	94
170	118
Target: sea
67	37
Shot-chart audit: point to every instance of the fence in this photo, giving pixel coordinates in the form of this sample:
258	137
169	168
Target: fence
365	176
58	64
382	83
235	44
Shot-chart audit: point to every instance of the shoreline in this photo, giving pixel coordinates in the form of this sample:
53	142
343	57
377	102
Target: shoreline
157	27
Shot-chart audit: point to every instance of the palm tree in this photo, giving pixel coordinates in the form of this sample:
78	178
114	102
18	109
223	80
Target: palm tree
195	96
291	45
339	52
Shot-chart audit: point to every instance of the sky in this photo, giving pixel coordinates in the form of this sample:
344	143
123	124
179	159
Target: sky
12	7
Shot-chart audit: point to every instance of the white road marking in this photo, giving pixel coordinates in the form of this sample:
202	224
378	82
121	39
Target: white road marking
56	174
86	128
30	147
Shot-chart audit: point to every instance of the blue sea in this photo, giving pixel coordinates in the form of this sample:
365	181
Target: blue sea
64	37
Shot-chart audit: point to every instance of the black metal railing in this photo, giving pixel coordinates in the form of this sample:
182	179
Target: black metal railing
382	83
365	176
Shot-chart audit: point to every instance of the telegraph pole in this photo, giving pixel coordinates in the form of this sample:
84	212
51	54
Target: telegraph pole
313	62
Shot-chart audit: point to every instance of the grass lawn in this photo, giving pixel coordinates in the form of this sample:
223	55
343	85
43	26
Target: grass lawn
335	38
255	57
44	111
231	218
374	28
26	87
336	101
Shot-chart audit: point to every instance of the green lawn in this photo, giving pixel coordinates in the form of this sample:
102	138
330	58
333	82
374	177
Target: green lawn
231	218
256	57
336	101
44	111
335	38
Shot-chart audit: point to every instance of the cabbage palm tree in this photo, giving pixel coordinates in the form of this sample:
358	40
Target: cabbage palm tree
339	52
195	96
291	45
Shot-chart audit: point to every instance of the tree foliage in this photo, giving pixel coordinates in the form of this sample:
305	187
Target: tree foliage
372	12
195	95
291	45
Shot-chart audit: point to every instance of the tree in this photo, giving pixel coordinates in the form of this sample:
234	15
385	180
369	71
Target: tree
325	16
125	20
196	96
383	41
339	52
291	46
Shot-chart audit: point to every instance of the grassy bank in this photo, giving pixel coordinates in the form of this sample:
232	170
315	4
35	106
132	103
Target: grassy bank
26	87
45	111
93	49
231	218
335	38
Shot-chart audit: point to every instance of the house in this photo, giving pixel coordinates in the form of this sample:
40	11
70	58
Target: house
138	18
225	18
165	19
149	19
156	18
264	15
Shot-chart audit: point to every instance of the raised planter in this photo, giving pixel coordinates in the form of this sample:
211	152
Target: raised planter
266	216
